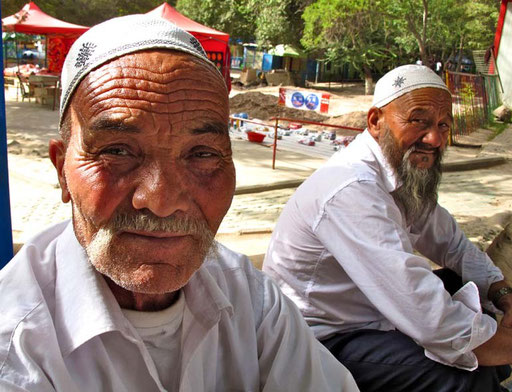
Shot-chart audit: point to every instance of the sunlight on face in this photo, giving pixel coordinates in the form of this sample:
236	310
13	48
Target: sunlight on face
149	167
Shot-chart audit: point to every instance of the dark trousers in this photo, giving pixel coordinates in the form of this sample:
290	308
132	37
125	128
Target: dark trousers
389	361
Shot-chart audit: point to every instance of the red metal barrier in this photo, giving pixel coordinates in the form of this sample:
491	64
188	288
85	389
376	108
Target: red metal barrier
276	126
277	119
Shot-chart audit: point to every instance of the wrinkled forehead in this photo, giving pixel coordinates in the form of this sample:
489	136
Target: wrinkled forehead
157	81
429	99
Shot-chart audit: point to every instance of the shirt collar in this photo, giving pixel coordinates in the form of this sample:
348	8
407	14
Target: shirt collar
387	172
85	306
203	295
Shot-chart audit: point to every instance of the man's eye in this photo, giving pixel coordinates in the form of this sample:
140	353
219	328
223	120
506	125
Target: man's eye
204	154
118	151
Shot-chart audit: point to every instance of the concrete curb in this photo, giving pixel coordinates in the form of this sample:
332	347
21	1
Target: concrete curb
245	190
473	164
462	165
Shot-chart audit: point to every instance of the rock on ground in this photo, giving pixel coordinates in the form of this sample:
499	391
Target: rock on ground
503	113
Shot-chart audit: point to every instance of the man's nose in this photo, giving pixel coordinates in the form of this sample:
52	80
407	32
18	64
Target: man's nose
161	190
435	137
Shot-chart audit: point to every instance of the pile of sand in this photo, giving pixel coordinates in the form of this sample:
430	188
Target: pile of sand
353	120
264	106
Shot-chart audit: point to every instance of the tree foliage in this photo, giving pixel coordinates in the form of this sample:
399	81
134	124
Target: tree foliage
372	35
438	28
84	12
231	16
279	21
268	22
352	31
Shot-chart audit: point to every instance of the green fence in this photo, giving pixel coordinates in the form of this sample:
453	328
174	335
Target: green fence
474	98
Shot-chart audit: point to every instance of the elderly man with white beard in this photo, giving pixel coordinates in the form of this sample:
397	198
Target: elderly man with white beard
351	249
134	294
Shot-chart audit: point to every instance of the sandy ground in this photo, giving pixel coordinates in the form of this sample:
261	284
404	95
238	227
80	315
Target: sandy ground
480	200
344	98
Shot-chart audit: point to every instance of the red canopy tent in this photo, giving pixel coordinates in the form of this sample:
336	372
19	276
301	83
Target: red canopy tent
60	35
215	43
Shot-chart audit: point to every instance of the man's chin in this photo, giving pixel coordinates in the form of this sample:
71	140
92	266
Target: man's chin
421	160
149	270
151	279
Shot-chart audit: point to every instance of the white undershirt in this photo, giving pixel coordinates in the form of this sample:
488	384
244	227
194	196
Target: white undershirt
161	333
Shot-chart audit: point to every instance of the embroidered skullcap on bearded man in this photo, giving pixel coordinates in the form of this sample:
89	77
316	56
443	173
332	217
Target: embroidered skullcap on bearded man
134	293
352	249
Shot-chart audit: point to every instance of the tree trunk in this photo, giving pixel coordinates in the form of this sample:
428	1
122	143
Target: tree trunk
368	81
423	50
459	61
423	53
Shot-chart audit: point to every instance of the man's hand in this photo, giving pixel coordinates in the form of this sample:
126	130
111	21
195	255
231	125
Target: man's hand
505	304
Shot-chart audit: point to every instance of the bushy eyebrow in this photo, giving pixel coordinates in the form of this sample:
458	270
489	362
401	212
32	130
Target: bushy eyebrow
426	112
216	128
110	124
118	125
416	112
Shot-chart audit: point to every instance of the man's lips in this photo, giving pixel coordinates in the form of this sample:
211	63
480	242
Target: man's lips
154	234
425	151
422	148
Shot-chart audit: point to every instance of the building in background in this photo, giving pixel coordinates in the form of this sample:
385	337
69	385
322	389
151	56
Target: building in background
503	50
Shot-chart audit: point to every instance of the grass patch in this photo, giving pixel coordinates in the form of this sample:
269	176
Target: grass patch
496	127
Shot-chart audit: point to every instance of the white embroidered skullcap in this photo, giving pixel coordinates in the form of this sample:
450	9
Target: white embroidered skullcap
117	37
402	80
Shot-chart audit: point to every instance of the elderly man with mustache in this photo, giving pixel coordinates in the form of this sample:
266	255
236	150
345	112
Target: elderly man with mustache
134	294
351	249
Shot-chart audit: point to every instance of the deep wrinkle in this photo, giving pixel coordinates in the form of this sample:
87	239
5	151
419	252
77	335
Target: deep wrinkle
136	155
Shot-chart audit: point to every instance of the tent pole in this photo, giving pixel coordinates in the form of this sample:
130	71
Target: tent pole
46	51
16	49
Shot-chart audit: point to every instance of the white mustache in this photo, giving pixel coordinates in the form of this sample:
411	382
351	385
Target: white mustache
186	225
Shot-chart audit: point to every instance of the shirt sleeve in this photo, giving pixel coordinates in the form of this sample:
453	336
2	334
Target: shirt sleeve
290	357
443	242
6	386
364	231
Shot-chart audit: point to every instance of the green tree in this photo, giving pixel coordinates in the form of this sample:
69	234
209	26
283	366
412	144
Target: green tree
279	21
84	12
350	31
439	28
268	22
10	7
233	17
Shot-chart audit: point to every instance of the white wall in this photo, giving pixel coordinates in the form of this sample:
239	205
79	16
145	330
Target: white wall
504	60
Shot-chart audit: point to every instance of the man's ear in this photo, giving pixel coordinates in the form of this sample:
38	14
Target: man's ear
57	151
375	120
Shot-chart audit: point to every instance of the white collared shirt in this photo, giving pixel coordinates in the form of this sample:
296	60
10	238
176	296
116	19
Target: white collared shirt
61	329
342	251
